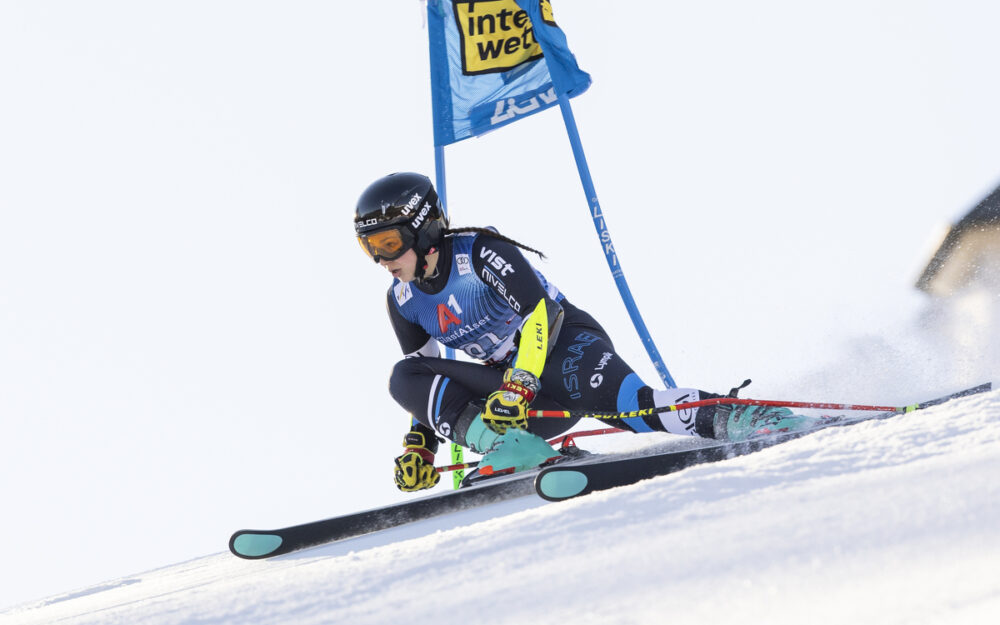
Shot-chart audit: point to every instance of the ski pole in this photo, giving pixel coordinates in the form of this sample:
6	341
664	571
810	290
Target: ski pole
569	414
617	416
565	414
457	467
569	440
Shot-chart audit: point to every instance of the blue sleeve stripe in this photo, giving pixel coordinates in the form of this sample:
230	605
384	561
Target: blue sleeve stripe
437	406
628	400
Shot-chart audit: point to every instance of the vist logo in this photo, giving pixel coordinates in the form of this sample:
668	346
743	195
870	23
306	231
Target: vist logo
496	35
496	261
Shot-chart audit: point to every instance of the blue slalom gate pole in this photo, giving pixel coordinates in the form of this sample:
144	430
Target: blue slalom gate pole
439	177
609	248
457	454
439	185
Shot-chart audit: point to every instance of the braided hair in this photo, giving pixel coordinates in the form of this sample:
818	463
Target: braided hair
495	235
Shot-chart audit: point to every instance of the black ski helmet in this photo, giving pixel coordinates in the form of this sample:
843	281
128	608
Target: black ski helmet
401	208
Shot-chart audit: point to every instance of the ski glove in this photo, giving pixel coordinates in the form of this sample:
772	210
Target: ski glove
415	468
508	407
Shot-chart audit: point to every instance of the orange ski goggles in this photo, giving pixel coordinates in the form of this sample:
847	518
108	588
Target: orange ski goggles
388	244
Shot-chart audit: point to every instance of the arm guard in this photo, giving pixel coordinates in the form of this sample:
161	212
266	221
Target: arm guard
538	334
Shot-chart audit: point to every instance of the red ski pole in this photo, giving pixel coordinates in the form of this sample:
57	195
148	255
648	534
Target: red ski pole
569	440
616	416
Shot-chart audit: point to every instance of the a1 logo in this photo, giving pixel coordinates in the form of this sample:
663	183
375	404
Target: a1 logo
446	318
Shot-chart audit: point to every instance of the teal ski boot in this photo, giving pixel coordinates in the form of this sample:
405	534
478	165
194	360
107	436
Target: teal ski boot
517	450
740	423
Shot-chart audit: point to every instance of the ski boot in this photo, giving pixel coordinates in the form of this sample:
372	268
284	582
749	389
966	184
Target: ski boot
516	450
740	423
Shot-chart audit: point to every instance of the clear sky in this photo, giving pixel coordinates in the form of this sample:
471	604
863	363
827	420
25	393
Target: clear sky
191	341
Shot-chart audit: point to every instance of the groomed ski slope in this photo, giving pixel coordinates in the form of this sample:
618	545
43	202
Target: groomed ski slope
893	521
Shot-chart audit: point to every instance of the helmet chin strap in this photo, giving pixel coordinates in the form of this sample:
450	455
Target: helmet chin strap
431	237
421	272
421	267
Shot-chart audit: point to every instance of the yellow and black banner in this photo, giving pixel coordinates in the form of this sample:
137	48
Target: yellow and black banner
495	35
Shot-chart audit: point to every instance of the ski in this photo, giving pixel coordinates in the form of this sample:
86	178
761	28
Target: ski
557	483
477	489
257	544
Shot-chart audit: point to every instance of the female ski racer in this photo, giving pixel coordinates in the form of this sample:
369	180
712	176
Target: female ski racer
472	289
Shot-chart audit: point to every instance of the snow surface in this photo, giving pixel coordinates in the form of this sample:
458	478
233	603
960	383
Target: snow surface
892	521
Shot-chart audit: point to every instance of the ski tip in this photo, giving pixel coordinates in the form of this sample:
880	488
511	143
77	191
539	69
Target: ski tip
253	545
559	484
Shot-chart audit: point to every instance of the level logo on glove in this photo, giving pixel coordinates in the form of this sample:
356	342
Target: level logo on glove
508	407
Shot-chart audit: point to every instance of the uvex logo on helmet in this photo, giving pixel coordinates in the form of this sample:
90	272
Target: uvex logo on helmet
414	201
420	218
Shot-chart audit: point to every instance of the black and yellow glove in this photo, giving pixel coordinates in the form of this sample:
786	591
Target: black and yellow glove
508	407
415	468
